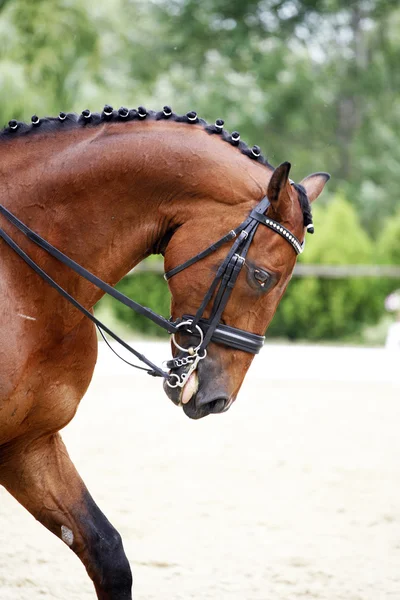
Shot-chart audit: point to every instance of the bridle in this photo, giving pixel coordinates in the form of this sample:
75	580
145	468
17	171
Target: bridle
221	287
207	330
204	330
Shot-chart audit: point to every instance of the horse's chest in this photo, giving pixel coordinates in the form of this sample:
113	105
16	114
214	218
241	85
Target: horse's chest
40	390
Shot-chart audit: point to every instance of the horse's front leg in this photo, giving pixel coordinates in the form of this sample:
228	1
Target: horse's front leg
42	478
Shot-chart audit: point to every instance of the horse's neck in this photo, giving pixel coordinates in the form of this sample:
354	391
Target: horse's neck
106	196
78	192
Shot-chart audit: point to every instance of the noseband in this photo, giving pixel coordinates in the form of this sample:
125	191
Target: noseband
204	330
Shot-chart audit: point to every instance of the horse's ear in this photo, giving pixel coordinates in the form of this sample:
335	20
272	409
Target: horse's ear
280	201
314	184
278	181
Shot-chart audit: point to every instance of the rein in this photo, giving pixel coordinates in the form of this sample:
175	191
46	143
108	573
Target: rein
207	330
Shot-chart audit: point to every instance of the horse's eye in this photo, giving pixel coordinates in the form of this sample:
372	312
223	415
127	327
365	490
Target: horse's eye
261	277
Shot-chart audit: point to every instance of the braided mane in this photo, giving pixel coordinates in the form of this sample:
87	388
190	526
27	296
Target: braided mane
87	118
109	115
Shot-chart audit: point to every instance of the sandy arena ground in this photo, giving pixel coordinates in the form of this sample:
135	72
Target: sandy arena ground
292	494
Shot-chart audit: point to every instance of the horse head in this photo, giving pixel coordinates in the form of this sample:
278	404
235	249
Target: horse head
268	264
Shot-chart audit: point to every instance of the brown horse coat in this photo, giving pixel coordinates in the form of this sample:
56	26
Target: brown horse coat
108	196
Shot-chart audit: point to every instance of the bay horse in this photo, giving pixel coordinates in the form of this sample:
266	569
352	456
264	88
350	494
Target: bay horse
107	190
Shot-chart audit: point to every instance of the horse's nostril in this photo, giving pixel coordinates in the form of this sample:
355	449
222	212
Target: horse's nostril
215	406
201	407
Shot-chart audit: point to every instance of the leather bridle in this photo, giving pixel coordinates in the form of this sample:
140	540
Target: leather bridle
210	329
205	330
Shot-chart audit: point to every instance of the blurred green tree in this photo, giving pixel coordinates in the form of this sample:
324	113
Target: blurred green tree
388	251
389	241
149	289
316	308
312	81
315	82
45	59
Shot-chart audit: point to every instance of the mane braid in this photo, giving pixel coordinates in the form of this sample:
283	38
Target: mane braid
18	129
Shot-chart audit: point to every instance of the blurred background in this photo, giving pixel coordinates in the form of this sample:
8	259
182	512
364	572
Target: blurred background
315	82
293	493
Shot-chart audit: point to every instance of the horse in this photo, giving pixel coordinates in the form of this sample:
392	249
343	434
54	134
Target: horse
107	190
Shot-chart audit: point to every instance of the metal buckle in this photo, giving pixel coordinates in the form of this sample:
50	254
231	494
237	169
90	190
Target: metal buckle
184	323
240	259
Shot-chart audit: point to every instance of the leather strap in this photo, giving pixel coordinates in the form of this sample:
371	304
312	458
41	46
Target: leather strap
231	336
230	236
221	286
216	332
153	370
37	239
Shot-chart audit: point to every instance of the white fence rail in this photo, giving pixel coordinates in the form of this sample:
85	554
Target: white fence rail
304	270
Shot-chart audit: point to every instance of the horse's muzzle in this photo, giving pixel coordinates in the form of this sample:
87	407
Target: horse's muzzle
204	401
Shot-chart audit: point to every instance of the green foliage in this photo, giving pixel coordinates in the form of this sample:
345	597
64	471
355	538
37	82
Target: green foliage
316	308
315	82
69	54
388	251
149	289
49	55
389	241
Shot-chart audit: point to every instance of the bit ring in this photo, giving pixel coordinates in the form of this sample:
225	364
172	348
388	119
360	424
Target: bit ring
176	384
181	347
